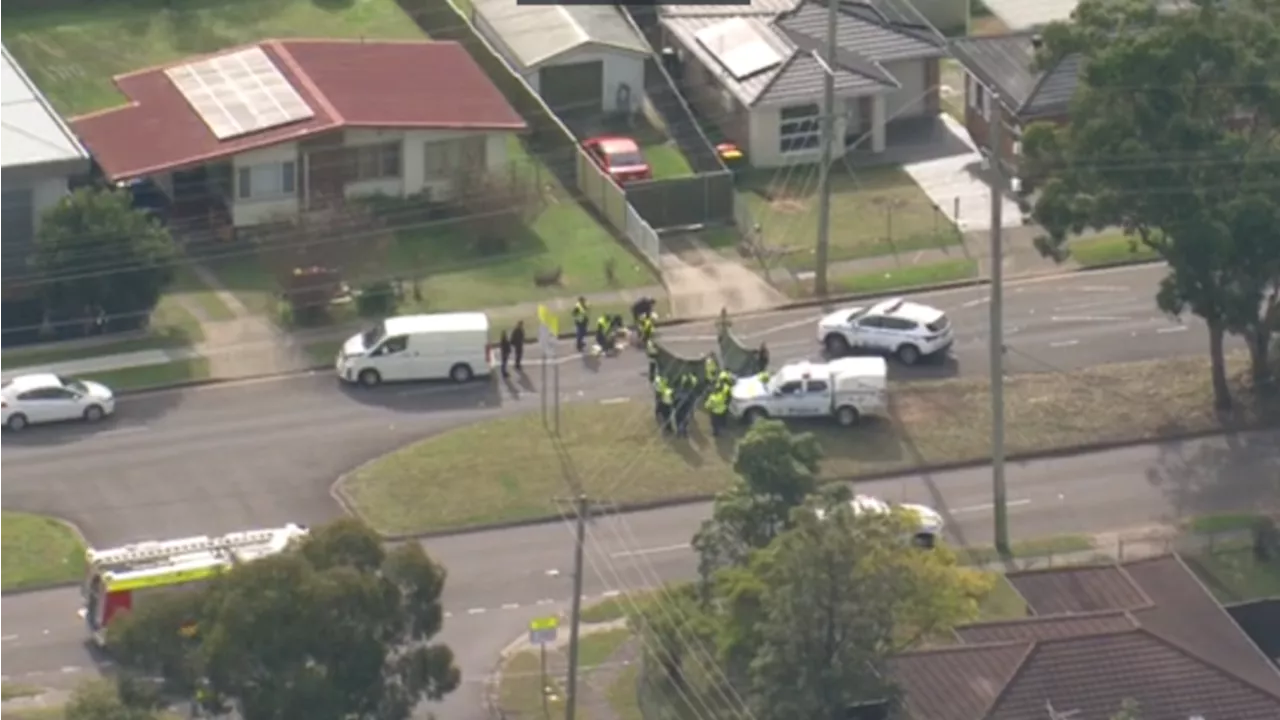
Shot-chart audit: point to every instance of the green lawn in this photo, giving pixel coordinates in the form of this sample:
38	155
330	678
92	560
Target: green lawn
72	52
902	278
145	377
1110	249
1234	574
874	211
1046	547
38	551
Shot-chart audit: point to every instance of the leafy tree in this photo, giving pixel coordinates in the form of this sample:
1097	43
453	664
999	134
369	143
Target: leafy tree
1129	710
341	628
1172	137
674	624
777	472
831	600
94	251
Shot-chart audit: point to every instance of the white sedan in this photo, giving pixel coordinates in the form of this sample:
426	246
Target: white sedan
897	327
45	398
929	522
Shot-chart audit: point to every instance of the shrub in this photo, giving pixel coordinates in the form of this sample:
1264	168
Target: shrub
377	299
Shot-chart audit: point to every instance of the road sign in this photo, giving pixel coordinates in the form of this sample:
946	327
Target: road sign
542	631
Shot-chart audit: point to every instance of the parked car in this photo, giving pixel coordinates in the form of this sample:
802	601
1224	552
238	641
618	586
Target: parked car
620	157
846	389
908	330
929	523
44	398
418	347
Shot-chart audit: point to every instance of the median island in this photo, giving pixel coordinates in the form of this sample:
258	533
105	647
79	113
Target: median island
510	469
39	551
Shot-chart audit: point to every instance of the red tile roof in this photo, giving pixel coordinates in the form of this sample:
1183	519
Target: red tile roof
347	83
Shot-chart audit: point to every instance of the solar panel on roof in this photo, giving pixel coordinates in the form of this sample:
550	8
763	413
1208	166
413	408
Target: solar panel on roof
239	93
740	47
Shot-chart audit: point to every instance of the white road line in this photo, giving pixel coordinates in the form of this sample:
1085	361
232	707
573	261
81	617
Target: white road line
1104	288
1064	343
988	506
615	401
1088	318
611	593
784	326
510	606
448	615
123	431
976	303
546	601
1167	330
650	551
475	611
7	638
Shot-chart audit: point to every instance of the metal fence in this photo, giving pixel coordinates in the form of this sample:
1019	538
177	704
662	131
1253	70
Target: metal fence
706	199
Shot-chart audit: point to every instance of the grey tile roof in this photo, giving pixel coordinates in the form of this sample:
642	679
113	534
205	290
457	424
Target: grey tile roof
1004	64
34	133
1147	631
866	38
537	34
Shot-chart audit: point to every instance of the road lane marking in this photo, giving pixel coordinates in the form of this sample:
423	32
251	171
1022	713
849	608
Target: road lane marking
650	551
1088	318
976	303
986	507
546	601
611	593
1064	343
1104	288
475	611
123	431
615	401
510	606
1177	329
7	638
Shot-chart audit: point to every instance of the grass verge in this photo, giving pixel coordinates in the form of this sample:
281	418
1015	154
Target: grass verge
146	377
1234	574
38	551
521	690
612	608
13	691
617	453
902	278
1046	547
874	211
1222	523
1113	249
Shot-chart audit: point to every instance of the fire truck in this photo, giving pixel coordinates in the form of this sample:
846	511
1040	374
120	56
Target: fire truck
119	578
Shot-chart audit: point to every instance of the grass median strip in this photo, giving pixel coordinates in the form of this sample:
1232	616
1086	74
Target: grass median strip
145	377
509	469
900	278
38	551
1111	249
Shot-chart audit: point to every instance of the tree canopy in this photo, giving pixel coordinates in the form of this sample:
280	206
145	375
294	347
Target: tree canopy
802	613
340	628
94	251
1172	137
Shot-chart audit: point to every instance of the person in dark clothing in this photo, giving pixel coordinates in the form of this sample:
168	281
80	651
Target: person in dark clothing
763	358
581	313
504	350
642	307
517	344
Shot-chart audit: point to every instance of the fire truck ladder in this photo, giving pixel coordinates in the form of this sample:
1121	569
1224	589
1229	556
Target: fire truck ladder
246	545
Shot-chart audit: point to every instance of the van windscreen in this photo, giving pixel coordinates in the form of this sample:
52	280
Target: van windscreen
373	335
938	325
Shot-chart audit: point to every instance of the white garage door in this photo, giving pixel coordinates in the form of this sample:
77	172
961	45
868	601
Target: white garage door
909	101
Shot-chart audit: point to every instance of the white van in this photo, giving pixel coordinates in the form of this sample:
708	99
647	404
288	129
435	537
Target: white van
418	347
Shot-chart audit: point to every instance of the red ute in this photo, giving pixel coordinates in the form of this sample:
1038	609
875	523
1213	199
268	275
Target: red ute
620	157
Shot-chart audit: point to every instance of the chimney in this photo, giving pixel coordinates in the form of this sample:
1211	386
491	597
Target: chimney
1037	41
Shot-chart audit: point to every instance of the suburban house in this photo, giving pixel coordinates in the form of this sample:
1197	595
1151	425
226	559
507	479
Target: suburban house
581	59
1096	636
40	155
262	133
757	71
1001	84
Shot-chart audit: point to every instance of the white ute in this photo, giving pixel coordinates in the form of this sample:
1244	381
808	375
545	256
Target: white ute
927	531
908	330
845	389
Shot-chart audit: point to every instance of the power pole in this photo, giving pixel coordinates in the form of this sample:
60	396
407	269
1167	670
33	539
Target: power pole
583	506
998	500
828	141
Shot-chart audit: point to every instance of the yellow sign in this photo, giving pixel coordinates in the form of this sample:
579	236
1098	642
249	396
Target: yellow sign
549	320
546	623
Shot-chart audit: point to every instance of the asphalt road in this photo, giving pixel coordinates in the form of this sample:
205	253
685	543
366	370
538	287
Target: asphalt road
500	580
263	453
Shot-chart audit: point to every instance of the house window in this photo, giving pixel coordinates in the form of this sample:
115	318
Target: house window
799	127
446	158
376	162
267	181
979	98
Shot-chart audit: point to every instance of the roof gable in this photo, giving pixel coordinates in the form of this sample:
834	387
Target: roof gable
34	133
1005	65
537	34
345	83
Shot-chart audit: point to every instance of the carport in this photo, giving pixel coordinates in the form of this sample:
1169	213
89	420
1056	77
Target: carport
582	60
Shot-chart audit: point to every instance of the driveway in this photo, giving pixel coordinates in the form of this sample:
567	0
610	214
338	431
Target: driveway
946	164
1026	14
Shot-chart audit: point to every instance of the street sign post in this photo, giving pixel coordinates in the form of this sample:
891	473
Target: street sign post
548	331
542	632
